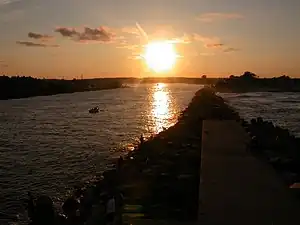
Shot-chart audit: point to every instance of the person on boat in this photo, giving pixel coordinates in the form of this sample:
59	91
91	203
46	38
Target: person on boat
94	110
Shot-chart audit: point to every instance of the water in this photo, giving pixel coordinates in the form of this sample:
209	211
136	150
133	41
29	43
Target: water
49	144
282	109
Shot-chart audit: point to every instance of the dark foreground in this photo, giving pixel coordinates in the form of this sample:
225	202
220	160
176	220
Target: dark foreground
160	179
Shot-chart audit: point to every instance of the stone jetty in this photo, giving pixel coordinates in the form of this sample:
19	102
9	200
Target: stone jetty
211	167
236	186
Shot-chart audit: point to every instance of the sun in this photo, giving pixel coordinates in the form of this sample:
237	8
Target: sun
160	56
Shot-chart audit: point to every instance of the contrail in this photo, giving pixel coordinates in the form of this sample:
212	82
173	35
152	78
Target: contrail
142	32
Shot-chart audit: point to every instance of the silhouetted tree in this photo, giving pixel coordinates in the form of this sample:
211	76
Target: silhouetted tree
249	75
284	77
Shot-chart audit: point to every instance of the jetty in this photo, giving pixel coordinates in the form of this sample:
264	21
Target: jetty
206	169
237	188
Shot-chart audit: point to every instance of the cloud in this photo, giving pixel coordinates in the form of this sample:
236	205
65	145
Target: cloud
3	64
37	36
131	30
231	50
217	45
208	42
67	32
6	2
132	47
185	39
162	32
213	43
178	40
211	17
142	32
207	54
33	44
96	34
100	34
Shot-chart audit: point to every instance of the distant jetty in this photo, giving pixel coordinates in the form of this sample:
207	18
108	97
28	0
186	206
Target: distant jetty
24	87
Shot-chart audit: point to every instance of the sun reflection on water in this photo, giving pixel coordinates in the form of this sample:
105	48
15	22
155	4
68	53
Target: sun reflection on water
162	112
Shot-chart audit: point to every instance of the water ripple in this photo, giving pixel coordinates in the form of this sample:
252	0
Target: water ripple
283	109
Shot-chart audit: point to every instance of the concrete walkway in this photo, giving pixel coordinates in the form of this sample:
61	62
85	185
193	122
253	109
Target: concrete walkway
235	187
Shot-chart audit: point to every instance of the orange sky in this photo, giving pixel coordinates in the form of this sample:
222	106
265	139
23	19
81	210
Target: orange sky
56	39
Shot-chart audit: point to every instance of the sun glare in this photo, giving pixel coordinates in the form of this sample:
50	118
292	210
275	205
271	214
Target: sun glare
160	56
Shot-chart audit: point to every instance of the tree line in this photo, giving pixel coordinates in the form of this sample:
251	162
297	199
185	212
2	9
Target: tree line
23	87
249	81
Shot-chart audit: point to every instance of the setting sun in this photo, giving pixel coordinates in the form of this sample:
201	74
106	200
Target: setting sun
160	56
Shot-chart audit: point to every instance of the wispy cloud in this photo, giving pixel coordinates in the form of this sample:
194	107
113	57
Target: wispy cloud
96	34
231	50
211	17
212	43
217	45
3	64
131	30
6	2
184	39
207	54
166	34
143	33
37	36
208	42
67	32
132	47
33	44
101	34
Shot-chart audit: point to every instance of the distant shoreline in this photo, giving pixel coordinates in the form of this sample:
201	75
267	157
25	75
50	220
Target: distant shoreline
250	82
17	87
62	93
26	87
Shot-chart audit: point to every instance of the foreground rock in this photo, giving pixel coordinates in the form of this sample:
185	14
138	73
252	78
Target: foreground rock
277	146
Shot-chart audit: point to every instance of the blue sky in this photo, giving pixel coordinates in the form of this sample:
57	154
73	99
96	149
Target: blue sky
100	37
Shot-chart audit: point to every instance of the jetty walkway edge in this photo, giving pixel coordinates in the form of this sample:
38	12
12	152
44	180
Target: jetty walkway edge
237	188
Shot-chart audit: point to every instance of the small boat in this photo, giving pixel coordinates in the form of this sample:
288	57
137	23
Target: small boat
94	110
